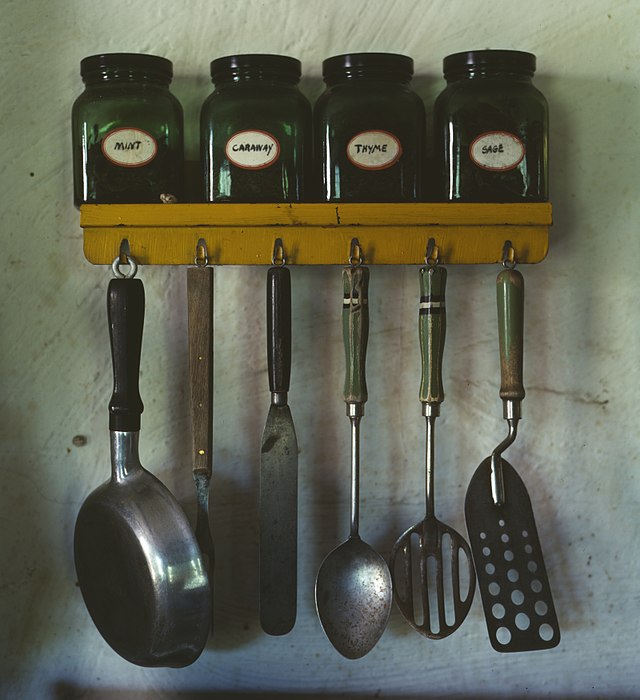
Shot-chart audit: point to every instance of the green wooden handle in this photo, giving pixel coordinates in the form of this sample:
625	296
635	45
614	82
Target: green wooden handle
510	288
355	332
432	326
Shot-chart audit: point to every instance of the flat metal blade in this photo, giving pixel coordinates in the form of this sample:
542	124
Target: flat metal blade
278	522
516	596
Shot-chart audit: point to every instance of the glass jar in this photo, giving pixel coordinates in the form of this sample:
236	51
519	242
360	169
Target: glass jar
127	131
491	129
369	129
255	131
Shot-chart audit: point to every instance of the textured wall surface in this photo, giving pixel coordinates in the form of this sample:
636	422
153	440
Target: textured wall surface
578	448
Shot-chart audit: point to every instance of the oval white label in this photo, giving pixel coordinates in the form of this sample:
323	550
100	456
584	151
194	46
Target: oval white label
252	149
374	150
497	150
129	147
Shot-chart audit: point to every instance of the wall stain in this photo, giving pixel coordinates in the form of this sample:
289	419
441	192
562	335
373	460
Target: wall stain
571	395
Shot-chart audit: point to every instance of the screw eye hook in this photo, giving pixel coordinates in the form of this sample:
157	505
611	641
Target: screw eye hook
202	254
432	256
356	255
508	255
124	258
278	258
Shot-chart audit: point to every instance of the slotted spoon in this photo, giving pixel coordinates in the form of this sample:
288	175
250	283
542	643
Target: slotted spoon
434	590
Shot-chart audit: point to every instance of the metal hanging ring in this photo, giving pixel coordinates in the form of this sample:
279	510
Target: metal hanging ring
508	255
278	258
356	256
432	256
202	255
133	267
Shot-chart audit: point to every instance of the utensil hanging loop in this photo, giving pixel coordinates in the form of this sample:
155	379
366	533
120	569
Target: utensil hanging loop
124	258
278	258
356	255
432	256
508	255
202	255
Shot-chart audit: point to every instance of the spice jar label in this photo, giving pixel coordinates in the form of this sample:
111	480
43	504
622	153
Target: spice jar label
374	150
252	149
129	147
497	150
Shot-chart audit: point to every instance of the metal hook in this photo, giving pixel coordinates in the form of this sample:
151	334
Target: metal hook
356	256
278	258
508	255
202	255
432	256
124	258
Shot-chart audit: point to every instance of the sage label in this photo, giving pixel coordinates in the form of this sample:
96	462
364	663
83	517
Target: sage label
129	147
374	150
252	149
497	150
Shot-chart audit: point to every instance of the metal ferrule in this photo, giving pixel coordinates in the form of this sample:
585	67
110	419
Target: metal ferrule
124	453
430	409
511	409
278	398
355	410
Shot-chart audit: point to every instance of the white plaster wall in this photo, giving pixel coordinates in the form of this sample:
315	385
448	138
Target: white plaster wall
578	449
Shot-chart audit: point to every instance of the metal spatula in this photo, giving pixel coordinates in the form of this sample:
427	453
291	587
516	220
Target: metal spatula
278	469
512	578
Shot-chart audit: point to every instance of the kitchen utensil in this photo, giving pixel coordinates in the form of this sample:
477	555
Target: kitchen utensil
278	469
353	587
434	592
512	578
200	325
138	564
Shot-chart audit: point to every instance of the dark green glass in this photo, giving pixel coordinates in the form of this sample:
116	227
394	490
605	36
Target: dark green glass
127	131
369	129
255	131
491	129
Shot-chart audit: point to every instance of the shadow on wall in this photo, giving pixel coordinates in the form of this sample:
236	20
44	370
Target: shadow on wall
67	691
587	192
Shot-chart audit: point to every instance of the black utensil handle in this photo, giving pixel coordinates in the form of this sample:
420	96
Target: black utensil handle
279	328
510	288
355	332
125	311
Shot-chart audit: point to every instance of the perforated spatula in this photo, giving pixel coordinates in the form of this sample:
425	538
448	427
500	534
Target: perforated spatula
512	578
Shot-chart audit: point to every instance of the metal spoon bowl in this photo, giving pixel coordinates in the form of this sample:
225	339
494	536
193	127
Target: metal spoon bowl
353	597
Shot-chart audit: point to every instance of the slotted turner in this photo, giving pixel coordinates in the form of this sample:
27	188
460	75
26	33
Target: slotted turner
431	565
512	578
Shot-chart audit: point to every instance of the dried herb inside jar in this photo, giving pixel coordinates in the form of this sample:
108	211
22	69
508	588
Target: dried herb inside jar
369	130
491	129
127	131
110	183
255	131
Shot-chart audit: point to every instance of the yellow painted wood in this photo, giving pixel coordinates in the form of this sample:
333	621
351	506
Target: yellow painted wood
315	234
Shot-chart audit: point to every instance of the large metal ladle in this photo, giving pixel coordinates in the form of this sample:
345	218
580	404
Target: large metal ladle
138	564
353	587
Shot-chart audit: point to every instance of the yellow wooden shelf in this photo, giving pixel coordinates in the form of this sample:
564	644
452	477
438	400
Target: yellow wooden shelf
315	234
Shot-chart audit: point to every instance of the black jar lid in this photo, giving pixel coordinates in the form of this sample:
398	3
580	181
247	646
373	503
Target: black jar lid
256	65
127	66
392	65
489	59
